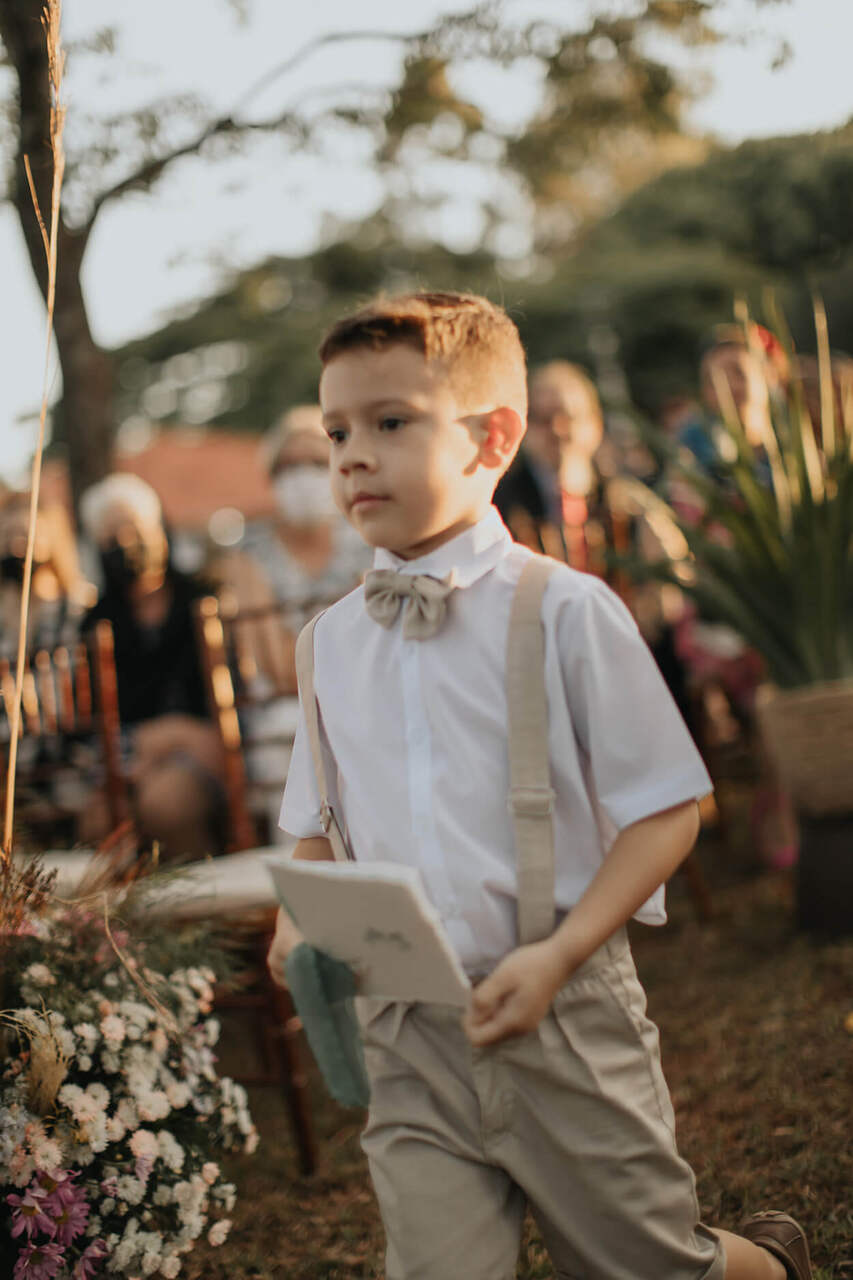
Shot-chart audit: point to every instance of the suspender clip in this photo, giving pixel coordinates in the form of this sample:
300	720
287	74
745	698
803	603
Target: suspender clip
531	802
326	816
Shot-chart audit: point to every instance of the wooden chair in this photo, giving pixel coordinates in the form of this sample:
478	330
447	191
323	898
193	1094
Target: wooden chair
69	707
229	671
239	648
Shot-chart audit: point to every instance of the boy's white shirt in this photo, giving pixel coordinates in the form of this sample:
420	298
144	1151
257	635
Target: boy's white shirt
417	731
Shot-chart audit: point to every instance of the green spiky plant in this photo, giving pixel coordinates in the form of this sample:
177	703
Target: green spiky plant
775	561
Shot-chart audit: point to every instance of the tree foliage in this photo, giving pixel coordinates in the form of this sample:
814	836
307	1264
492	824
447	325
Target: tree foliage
611	114
660	272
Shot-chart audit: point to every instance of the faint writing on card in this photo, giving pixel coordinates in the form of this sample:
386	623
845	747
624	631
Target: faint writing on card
395	938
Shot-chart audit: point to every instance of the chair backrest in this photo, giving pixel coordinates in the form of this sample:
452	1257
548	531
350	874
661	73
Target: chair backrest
70	692
248	664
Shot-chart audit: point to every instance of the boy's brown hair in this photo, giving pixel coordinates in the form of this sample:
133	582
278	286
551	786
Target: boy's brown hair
475	340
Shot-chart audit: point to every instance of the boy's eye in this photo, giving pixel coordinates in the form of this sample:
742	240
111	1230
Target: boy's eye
337	435
390	423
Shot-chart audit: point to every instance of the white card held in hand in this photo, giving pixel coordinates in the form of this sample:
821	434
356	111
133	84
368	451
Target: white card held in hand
377	918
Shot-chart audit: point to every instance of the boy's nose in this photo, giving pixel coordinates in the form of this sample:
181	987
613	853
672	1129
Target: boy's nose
356	455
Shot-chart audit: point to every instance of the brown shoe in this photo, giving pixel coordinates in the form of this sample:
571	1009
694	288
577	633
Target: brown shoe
782	1236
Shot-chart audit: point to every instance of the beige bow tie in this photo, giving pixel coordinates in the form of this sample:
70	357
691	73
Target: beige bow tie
426	600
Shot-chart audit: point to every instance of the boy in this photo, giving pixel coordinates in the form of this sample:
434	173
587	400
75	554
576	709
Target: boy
549	1089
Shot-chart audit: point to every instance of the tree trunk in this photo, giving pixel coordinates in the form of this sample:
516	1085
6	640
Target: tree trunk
87	374
88	386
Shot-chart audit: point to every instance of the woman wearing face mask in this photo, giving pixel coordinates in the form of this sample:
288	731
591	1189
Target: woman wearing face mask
173	753
305	558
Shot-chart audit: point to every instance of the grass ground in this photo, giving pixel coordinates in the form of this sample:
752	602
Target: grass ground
759	1062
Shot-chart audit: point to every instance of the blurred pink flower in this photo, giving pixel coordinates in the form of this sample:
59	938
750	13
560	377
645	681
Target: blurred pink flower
39	1261
87	1263
71	1221
61	1191
31	1213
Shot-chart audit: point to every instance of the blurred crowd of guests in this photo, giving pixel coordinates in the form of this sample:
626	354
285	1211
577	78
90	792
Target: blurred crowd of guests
572	492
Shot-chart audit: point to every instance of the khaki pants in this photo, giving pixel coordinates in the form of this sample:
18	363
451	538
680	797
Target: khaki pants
574	1119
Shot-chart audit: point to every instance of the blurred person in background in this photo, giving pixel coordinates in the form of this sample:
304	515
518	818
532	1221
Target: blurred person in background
555	497
59	594
741	375
53	782
173	750
807	376
306	558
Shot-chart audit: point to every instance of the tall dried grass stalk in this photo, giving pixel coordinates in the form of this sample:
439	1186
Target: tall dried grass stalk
51	19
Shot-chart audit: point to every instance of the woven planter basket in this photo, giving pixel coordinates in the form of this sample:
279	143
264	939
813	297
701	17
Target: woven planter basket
808	733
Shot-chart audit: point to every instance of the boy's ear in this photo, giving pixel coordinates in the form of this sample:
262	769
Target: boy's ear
500	435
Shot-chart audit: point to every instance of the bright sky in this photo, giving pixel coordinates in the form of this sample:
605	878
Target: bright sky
152	253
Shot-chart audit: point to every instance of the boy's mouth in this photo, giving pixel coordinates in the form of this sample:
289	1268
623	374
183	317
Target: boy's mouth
363	500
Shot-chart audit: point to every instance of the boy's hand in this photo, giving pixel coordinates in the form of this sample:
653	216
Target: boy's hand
516	996
287	936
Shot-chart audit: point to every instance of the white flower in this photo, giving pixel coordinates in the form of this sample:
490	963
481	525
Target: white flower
47	1155
107	1205
113	1028
144	1144
123	1255
83	1108
115	1130
87	1033
226	1193
136	1012
21	1168
153	1105
211	1030
100	1094
150	1261
218	1233
40	975
162	1194
252	1140
178	1093
84	1062
159	1041
131	1190
126	1112
171	1151
170	1266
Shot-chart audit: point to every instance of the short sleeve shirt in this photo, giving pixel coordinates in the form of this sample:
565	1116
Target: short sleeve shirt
415	737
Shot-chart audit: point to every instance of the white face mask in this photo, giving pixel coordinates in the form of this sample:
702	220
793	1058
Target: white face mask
303	494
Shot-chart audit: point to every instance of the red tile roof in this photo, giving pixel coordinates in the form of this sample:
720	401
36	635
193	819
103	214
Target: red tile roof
194	474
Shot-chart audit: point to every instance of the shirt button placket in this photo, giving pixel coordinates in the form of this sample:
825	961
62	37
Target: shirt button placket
419	749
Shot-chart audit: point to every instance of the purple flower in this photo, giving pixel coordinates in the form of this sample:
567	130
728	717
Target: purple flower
71	1221
87	1263
39	1261
143	1168
30	1213
61	1190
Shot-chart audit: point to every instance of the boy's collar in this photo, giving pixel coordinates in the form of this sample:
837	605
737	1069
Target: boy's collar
470	554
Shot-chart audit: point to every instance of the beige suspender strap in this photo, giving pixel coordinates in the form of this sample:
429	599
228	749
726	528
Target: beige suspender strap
305	676
531	798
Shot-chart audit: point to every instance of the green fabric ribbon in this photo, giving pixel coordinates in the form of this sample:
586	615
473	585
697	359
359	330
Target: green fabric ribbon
323	991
